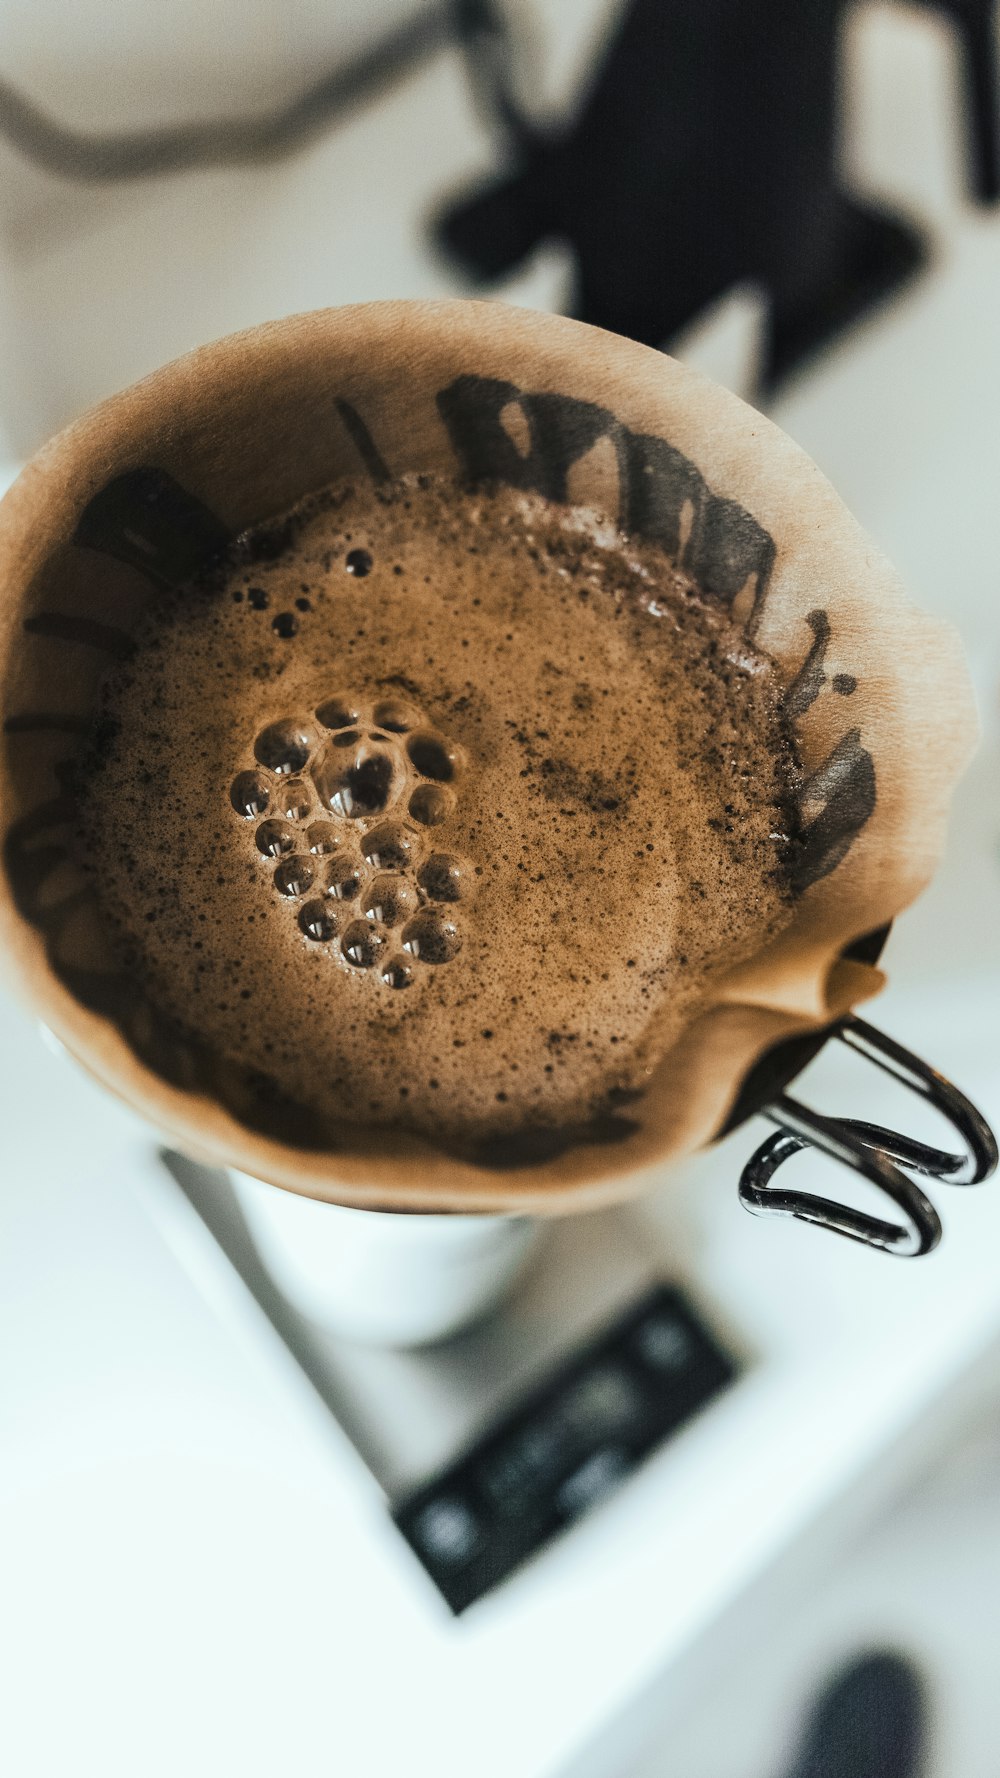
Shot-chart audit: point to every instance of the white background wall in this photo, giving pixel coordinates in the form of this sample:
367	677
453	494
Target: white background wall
101	283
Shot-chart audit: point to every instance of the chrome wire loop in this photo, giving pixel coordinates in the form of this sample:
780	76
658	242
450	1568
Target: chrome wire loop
873	1152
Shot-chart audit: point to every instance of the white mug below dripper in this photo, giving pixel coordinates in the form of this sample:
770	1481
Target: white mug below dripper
385	1278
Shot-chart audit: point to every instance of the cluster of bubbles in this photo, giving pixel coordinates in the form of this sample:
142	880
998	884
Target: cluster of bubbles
344	802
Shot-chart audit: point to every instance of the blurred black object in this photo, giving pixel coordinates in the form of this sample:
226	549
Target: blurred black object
565	1446
704	157
869	1722
976	22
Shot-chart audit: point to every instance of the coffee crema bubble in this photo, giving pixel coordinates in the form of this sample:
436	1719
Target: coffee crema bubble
482	828
322	837
337	713
342	879
432	757
293	799
362	944
389	848
317	922
396	973
249	794
395	716
294	876
390	900
357	773
356	782
432	937
284	746
442	877
275	838
430	805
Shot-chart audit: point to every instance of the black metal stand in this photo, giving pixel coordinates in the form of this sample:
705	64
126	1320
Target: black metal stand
977	25
872	1151
704	156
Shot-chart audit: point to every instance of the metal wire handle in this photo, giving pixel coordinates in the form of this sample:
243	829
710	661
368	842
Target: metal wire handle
872	1151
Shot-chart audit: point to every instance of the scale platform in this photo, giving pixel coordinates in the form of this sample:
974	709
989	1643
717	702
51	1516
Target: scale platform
489	1444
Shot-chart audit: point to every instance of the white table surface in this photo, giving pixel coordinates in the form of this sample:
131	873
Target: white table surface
200	1576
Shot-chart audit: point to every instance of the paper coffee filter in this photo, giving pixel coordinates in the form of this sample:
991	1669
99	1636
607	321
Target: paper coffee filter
136	494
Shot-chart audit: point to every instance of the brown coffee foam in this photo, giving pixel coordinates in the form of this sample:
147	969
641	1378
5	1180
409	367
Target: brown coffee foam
248	425
614	790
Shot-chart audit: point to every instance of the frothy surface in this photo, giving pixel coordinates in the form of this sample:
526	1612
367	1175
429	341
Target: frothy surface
438	809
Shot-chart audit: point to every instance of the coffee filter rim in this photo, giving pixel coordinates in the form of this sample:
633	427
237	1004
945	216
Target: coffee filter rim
201	1123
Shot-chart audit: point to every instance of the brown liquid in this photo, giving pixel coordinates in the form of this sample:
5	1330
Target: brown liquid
438	810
